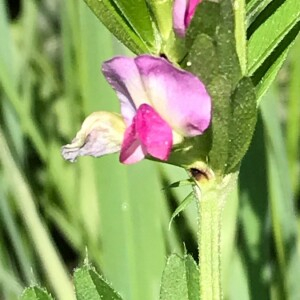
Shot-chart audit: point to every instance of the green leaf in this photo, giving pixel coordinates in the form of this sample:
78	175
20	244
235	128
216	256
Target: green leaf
35	293
138	16
220	90
267	72
184	203
180	279
274	25
205	21
270	75
203	49
110	16
229	64
242	122
217	21
89	285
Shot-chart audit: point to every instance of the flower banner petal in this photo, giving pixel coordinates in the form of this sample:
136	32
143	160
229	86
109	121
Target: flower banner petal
178	96
122	74
101	133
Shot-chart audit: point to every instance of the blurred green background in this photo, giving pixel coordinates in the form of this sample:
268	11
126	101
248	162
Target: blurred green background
54	215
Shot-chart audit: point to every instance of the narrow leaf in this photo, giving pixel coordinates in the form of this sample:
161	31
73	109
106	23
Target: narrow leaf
267	72
89	285
271	32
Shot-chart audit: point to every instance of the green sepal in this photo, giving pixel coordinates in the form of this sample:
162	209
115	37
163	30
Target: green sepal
180	279
35	293
89	285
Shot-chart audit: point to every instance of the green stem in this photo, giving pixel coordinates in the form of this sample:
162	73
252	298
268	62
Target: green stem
209	246
211	199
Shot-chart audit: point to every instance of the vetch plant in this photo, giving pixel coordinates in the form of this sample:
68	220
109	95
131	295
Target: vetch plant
165	111
188	98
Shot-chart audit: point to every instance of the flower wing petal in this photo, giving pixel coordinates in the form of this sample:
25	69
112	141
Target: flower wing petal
148	134
131	150
178	96
101	133
154	133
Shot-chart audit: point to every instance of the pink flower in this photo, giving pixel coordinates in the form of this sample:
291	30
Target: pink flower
160	105
183	12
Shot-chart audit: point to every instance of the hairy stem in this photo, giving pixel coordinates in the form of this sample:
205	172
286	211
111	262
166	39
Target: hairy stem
211	199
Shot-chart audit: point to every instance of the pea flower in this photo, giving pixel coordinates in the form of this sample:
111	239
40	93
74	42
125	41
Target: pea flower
183	12
160	105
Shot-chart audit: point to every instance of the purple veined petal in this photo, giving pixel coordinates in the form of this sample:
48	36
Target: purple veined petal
179	12
122	74
101	133
178	96
148	134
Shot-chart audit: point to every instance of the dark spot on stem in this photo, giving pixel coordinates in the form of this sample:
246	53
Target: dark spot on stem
199	174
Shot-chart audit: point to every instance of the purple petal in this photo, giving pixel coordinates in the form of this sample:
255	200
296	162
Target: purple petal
183	12
101	133
190	11
178	96
179	11
131	150
148	134
154	133
122	74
